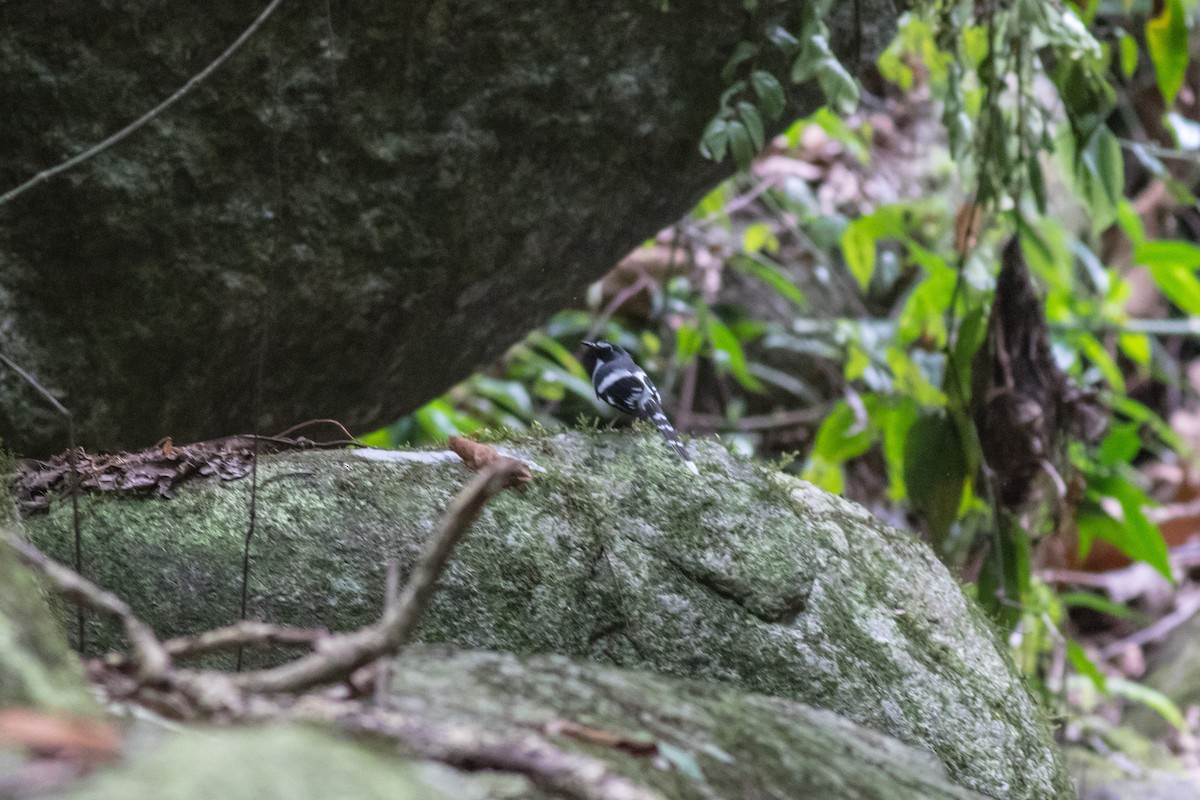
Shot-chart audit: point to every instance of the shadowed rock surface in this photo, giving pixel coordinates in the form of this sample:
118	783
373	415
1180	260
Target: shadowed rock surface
369	199
616	554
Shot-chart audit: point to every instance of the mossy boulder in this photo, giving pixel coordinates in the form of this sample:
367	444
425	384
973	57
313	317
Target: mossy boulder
273	762
669	738
712	741
616	553
37	668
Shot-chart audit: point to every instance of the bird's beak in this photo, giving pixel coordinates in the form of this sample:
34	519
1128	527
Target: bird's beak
591	345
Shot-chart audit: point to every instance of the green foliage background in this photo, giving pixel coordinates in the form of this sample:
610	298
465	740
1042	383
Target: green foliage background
1033	101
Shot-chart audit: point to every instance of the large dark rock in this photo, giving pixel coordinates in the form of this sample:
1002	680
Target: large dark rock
616	553
368	200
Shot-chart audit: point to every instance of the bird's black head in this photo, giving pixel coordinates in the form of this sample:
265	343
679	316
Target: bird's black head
600	353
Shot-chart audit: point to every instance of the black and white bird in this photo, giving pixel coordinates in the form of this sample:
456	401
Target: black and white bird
621	383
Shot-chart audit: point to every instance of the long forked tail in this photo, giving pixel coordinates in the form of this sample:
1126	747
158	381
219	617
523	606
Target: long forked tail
658	417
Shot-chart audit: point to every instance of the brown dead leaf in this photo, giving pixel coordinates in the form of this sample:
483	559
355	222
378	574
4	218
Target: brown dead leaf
477	456
634	745
78	739
967	224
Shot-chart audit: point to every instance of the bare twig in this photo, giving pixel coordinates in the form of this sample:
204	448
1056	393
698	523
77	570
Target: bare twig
804	417
249	633
301	426
687	396
1190	156
151	660
253	513
341	655
132	127
1187	607
643	281
391	598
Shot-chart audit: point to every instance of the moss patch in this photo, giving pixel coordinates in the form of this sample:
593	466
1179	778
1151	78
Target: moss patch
281	761
37	668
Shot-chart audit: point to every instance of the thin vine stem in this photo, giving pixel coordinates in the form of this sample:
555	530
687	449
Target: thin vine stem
141	121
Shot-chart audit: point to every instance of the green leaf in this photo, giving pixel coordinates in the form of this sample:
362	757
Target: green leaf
439	420
1152	699
728	353
911	379
770	93
564	357
773	276
1167	41
1037	184
1084	666
1095	172
1120	446
858	248
715	139
1138	412
1136	347
1105	150
824	474
924	313
1134	535
1129	54
857	361
1173	266
812	56
740	143
935	470
754	124
860	236
1171	251
972	333
688	342
759	236
896	425
1130	222
744	51
838	85
512	395
779	37
1098	354
1099	603
381	438
842	435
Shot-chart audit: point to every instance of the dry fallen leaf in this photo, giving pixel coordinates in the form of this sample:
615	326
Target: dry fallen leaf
474	454
78	739
477	456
